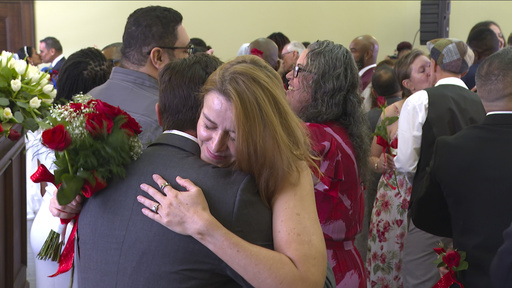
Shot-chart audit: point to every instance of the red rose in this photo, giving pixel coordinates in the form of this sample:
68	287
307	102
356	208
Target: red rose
98	124
107	109
381	101
14	135
131	125
1	129
88	189
57	138
77	107
452	258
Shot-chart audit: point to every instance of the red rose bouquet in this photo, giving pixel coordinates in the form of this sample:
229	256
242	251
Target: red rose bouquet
381	131
92	142
453	260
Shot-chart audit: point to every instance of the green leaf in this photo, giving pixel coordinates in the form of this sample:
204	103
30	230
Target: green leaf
22	104
4	102
71	186
30	124
463	266
19	116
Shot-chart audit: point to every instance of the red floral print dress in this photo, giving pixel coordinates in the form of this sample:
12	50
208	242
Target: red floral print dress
339	201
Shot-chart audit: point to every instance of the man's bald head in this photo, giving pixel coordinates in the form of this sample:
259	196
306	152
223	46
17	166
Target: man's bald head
365	49
268	48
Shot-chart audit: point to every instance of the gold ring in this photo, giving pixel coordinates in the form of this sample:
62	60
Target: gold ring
164	185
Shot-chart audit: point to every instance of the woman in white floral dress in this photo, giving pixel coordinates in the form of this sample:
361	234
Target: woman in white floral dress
388	224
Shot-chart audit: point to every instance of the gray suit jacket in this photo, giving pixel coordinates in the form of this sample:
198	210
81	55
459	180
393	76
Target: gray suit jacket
117	246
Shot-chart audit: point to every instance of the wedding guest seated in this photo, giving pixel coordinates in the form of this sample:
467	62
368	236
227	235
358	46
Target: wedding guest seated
200	46
50	50
289	56
247	126
30	55
494	27
82	71
324	92
452	202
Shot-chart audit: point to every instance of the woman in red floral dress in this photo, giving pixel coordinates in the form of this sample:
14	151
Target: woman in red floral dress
323	92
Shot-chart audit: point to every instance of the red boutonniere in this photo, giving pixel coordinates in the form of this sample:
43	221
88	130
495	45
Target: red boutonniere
454	261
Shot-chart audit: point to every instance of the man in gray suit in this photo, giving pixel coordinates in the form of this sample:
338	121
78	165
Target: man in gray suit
118	246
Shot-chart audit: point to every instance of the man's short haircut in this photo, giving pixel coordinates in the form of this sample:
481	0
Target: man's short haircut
296	46
384	81
180	84
494	75
147	28
52	42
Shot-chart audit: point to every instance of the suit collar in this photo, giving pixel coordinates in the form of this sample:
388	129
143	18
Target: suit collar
178	141
498	119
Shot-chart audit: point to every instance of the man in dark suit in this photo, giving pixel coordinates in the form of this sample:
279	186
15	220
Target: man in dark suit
51	52
118	246
467	193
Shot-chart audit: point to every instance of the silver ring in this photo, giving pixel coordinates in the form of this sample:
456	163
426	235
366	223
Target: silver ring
164	185
155	208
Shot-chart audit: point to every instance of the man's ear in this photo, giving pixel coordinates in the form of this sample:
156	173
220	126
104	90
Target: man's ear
158	116
156	58
52	51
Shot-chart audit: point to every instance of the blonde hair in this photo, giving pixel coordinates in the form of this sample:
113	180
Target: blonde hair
270	139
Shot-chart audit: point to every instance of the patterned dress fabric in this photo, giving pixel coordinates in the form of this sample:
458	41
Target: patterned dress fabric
388	226
339	202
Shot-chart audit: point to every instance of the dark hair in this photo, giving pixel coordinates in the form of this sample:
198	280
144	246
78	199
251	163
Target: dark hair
280	39
180	84
306	44
82	71
487	24
335	96
146	28
404	45
52	42
384	81
403	69
24	52
483	41
494	75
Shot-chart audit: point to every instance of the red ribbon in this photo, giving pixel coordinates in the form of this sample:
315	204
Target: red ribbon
68	254
42	175
447	280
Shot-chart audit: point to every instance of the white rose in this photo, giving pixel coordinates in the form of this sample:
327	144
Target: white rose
7	113
35	76
15	85
3	58
43	82
35	102
20	66
49	90
47	101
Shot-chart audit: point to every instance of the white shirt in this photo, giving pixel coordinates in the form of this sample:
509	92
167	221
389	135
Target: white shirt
56	60
410	128
361	72
181	133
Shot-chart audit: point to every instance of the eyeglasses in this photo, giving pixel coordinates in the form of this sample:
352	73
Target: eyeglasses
296	69
189	47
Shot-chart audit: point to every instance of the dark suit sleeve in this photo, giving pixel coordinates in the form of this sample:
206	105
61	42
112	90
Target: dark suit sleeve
501	268
430	211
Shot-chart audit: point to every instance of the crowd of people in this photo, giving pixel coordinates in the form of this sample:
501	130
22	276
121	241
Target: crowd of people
294	164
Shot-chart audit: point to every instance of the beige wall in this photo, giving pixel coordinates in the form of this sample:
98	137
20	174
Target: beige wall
225	25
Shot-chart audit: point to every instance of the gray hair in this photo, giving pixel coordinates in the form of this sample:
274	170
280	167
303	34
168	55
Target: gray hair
295	46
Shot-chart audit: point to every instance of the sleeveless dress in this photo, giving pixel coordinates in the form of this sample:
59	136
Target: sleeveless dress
388	226
339	201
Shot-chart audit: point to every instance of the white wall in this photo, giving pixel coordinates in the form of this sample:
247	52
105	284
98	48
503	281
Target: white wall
225	25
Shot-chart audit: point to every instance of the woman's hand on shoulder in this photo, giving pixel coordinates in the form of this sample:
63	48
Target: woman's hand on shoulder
185	212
